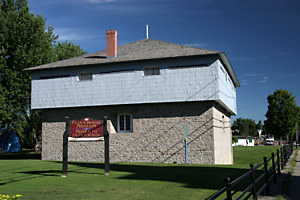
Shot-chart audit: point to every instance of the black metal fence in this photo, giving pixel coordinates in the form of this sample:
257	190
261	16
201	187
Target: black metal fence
268	171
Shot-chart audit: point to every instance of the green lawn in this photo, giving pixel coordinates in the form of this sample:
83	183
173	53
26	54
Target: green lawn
25	174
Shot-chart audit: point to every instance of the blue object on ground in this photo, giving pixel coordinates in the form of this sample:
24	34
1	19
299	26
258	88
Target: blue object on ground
10	141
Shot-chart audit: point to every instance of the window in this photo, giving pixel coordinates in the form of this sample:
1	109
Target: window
124	122
85	76
149	71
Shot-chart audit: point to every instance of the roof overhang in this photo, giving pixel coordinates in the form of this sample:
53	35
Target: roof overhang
231	72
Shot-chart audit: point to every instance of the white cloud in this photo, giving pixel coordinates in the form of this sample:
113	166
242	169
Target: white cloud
264	80
254	75
249	58
242	59
259	78
72	34
55	2
100	1
288	75
244	82
283	53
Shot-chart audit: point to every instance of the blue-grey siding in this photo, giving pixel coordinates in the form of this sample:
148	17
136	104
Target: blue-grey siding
181	84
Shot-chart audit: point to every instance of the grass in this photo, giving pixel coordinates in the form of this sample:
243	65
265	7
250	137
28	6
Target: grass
25	174
246	155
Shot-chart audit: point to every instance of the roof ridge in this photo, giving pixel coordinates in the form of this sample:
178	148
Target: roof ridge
186	46
171	43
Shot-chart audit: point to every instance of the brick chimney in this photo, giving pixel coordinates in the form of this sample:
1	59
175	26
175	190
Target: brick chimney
111	44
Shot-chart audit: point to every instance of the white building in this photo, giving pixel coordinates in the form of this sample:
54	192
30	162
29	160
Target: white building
245	141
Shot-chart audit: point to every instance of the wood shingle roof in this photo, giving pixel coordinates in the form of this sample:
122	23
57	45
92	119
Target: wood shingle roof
146	49
140	50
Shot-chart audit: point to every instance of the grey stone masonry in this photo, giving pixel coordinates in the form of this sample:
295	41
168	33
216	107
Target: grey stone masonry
157	136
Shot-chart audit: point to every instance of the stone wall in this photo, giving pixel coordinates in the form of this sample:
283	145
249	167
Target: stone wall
157	133
222	137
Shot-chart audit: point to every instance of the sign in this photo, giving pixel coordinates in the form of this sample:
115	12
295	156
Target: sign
185	141
86	127
185	131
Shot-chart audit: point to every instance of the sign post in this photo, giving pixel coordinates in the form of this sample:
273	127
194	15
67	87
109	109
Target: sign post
185	141
65	149
106	146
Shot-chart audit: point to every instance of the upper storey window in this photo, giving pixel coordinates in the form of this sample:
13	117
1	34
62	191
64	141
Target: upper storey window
85	76
150	71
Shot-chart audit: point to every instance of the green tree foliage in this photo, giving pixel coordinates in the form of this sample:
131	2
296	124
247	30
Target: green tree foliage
67	50
234	139
259	125
244	127
25	41
282	114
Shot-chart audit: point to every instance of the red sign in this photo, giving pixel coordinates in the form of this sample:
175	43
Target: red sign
86	127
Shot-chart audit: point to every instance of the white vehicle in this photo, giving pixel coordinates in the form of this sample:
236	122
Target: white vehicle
269	141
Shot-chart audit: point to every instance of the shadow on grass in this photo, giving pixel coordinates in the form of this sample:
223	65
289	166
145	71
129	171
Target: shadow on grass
43	172
54	172
190	176
23	155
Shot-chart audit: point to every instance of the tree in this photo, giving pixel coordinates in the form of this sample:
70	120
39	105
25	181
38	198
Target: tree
25	41
67	50
244	127
282	114
259	125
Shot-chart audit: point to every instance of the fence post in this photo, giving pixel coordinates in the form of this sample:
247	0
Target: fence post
274	169
285	155
278	163
288	151
281	158
253	181
266	176
292	149
228	188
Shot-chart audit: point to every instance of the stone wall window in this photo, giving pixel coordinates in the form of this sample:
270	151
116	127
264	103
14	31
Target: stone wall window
124	122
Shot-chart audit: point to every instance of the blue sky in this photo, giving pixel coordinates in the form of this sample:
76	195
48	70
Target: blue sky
261	38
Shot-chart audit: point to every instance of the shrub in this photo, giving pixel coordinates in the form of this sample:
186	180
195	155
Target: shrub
7	197
234	139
